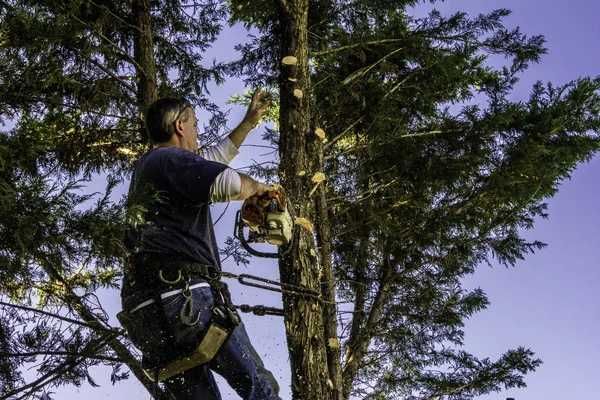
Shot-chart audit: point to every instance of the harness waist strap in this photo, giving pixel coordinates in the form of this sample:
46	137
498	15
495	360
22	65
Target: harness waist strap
167	295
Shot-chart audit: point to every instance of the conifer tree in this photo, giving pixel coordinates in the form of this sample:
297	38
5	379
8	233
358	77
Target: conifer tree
431	171
75	78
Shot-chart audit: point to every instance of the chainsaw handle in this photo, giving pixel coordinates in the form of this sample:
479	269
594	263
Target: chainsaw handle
238	233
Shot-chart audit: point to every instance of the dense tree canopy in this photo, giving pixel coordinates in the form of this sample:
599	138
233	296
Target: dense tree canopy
432	170
74	81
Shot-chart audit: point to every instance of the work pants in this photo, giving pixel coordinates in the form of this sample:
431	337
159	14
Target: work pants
158	332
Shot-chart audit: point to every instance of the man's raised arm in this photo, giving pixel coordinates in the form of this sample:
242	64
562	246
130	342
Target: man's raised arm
227	149
260	103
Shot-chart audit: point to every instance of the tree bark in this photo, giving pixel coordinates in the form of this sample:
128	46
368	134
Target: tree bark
328	284
300	266
143	53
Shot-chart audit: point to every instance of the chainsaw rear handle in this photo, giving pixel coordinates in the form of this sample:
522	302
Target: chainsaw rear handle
238	233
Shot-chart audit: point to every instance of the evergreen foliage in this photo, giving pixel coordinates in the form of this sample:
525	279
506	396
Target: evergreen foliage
69	86
432	171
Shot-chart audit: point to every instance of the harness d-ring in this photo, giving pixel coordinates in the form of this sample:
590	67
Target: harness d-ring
165	280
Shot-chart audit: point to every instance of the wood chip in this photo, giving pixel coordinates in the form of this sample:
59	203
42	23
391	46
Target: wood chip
305	223
289	60
333	343
320	133
298	93
318	177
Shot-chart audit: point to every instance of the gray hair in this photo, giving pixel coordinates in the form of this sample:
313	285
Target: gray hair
161	116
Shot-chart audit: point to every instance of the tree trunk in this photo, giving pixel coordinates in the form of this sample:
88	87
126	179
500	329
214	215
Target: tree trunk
303	315
328	282
143	52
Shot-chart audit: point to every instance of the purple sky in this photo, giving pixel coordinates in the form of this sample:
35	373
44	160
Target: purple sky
548	302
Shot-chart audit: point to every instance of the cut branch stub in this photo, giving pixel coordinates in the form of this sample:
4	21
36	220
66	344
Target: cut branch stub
305	223
333	343
289	60
320	133
318	177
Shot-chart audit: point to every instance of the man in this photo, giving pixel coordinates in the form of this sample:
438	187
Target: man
166	292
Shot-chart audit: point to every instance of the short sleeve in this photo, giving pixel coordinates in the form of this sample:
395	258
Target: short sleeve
190	176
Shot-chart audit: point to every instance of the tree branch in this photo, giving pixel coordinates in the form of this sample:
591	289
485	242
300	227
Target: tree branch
358	345
337	137
113	75
61	353
66	319
351	46
92	346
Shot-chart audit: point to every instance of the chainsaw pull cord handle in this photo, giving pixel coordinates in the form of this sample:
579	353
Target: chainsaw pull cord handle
238	233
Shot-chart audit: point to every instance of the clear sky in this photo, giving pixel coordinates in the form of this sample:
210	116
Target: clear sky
549	302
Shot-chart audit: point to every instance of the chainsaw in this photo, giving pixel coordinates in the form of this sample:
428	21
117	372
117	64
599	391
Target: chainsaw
268	220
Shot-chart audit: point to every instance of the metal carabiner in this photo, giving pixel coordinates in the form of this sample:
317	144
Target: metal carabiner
187	309
165	280
186	292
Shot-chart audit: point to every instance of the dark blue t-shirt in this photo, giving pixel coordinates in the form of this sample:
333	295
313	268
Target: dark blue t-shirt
168	206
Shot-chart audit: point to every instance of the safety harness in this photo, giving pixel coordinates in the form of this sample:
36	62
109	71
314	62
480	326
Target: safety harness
166	278
224	318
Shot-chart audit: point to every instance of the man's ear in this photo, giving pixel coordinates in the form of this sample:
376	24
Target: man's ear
178	128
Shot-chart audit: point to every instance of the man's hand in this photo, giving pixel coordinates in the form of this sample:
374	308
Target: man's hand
259	105
250	187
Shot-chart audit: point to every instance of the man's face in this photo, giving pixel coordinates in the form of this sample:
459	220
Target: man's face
190	131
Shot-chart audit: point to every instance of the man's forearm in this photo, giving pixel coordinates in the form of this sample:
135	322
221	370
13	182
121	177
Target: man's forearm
250	187
238	135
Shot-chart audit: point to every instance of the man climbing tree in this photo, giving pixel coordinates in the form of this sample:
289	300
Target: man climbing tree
172	296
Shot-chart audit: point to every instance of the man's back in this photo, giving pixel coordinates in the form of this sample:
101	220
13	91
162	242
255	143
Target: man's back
168	206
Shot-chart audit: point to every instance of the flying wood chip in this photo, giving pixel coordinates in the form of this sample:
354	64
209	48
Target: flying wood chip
303	222
289	60
318	177
298	93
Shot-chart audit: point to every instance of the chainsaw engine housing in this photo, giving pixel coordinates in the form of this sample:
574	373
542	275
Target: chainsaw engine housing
268	221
